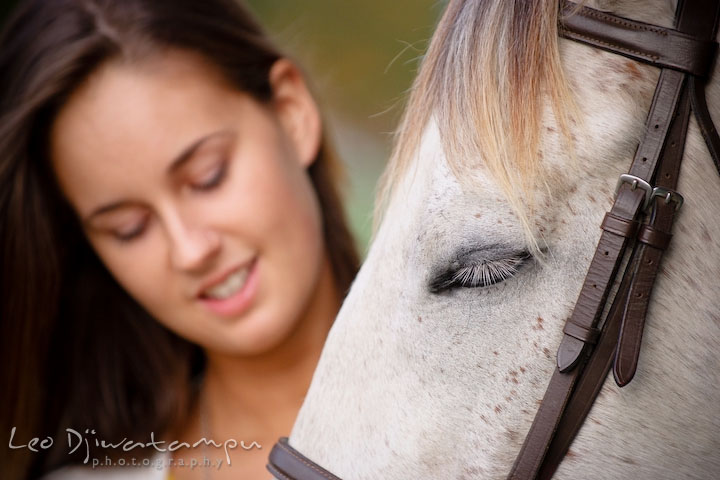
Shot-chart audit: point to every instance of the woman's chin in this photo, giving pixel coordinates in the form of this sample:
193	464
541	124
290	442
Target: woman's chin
254	336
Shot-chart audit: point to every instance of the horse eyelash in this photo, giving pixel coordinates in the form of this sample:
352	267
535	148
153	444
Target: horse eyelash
482	274
487	273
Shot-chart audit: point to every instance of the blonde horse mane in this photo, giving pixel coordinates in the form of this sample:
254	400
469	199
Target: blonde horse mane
482	79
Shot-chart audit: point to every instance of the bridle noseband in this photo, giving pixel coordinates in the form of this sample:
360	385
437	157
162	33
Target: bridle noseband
591	344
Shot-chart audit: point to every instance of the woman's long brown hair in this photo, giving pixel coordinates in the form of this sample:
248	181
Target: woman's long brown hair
76	351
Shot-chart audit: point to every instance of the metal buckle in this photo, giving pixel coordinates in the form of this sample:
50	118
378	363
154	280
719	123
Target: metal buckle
669	196
636	182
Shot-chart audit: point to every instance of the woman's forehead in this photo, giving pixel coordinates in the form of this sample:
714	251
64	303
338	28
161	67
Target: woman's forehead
129	118
176	89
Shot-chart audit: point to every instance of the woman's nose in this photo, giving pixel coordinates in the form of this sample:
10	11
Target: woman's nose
193	245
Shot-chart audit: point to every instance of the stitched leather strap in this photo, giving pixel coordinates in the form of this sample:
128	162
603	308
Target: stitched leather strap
286	463
581	368
586	388
611	246
701	18
571	393
684	49
573	352
659	46
707	127
654	239
625	313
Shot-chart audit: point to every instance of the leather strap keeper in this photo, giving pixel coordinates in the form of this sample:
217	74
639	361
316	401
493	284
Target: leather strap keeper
587	335
654	237
619	226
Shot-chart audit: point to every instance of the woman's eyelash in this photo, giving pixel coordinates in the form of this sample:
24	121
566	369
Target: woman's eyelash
208	184
128	237
479	274
214	180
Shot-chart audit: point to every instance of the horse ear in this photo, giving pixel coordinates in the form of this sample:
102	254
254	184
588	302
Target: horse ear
296	109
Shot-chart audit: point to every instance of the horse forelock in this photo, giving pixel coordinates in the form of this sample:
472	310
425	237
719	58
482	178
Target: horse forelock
483	78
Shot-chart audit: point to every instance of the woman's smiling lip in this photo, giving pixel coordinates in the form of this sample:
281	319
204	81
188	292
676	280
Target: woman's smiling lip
239	301
221	277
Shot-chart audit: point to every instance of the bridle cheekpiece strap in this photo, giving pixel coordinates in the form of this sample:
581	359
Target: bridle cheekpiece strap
582	366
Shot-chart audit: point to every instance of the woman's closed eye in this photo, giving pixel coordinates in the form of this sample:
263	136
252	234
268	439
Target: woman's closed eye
213	178
477	270
126	226
129	234
205	182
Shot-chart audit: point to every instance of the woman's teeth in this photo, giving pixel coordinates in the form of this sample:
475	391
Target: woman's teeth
229	287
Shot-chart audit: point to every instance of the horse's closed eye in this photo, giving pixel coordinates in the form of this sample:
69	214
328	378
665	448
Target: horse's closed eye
478	272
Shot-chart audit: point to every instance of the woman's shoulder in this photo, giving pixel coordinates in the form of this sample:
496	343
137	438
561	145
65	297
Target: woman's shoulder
155	468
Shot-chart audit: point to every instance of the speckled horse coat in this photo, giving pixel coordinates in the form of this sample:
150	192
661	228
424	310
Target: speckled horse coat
420	383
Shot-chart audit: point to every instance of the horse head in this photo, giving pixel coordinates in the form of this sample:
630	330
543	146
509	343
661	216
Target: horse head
504	166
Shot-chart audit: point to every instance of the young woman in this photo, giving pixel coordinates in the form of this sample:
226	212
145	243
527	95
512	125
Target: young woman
172	250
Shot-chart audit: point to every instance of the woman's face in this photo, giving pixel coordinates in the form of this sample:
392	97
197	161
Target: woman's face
196	196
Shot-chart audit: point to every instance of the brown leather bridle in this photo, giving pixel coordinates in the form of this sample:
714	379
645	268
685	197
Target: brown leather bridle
592	345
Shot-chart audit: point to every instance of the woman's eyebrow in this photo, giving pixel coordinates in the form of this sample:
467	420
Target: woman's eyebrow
187	154
175	165
105	209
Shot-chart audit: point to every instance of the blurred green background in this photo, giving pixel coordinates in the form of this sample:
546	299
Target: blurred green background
361	58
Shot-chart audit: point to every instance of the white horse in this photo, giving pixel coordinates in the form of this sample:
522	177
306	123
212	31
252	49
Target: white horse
504	166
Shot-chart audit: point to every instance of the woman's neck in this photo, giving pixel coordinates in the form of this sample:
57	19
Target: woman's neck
262	394
254	400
